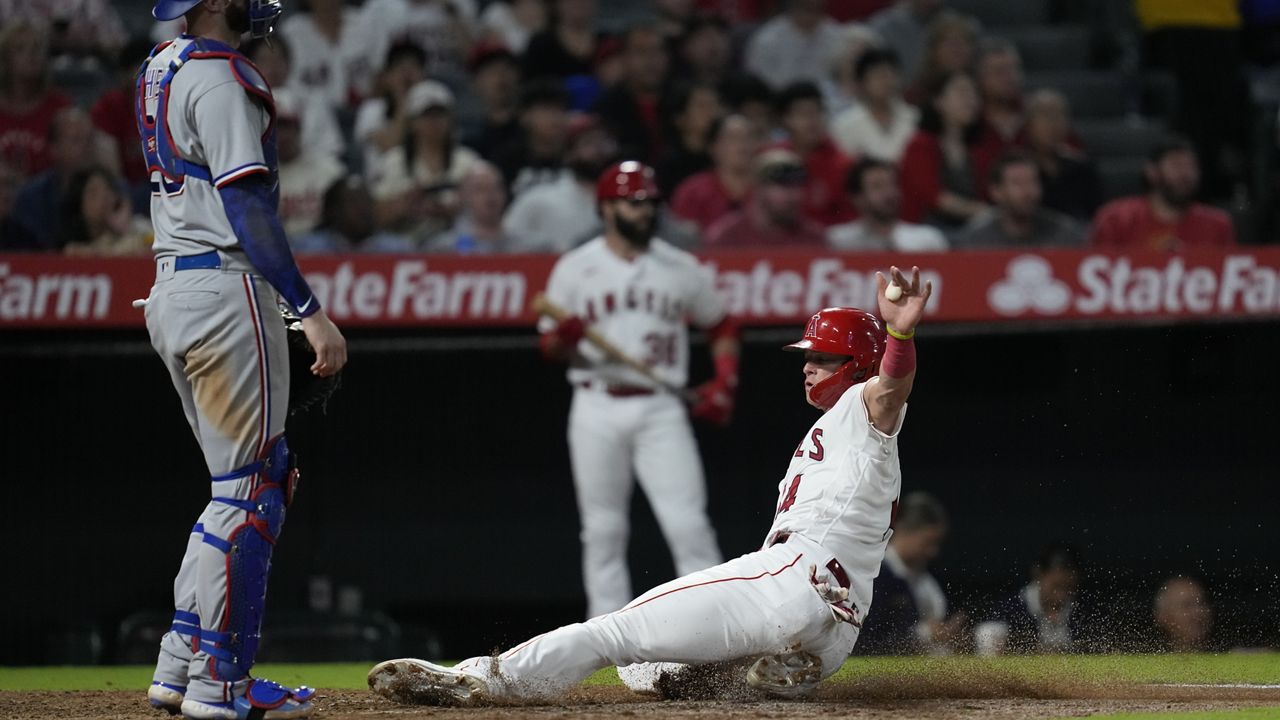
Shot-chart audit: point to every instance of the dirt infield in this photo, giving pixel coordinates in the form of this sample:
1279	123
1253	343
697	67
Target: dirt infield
969	697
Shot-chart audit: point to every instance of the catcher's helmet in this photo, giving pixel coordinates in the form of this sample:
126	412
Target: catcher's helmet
627	180
858	335
262	13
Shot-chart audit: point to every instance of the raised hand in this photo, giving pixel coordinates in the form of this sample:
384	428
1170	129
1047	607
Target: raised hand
905	312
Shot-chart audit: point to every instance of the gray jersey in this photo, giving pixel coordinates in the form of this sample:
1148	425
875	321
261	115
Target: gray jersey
214	121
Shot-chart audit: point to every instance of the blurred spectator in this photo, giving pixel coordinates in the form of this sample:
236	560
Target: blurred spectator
774	213
749	96
999	77
1200	43
348	224
39	204
840	86
28	103
1182	615
805	120
568	46
417	182
737	11
77	27
630	109
672	17
882	123
794	46
13	236
495	78
943	167
305	175
904	28
98	218
331	55
320	129
909	608
559	215
704	52
113	115
706	197
1043	617
1167	217
482	199
873	187
689	110
1018	219
1069	179
951	47
537	155
383	120
514	22
444	29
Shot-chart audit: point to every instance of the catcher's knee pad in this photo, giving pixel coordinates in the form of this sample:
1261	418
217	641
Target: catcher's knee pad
248	548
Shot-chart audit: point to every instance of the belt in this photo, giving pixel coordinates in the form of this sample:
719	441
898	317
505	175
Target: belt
204	261
836	569
618	390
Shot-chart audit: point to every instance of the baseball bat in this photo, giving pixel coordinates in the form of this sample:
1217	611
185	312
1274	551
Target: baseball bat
544	306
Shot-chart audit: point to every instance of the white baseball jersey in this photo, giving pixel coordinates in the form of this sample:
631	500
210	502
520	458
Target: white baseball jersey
642	306
213	121
841	489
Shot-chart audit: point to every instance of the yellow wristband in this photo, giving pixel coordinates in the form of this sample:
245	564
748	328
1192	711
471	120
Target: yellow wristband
898	335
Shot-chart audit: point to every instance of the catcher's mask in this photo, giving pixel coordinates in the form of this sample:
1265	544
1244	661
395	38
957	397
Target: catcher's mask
853	333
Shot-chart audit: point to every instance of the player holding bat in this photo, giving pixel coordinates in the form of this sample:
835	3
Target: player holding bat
640	293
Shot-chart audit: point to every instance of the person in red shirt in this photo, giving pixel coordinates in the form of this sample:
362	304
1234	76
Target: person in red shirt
1167	217
999	75
27	102
805	119
774	214
944	166
113	115
711	194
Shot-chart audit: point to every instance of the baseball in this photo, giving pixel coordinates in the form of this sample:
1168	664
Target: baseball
893	292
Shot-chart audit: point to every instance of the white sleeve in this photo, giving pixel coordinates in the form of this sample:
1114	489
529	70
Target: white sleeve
706	307
230	125
559	291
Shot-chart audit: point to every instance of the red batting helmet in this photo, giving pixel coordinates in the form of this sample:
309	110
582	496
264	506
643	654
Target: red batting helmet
843	331
627	180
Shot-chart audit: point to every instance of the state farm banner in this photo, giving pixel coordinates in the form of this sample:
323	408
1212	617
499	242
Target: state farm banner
761	288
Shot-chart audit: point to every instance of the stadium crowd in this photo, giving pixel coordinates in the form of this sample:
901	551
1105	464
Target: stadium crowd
480	126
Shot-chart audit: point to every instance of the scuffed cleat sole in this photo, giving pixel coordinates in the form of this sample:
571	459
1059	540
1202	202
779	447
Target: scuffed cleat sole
788	675
162	698
416	682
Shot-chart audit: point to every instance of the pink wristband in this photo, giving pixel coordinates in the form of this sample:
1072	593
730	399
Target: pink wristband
899	358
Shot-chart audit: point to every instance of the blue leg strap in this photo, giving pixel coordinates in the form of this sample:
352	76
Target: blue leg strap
249	547
185	623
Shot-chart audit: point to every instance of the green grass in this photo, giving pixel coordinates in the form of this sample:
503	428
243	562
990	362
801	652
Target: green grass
1256	668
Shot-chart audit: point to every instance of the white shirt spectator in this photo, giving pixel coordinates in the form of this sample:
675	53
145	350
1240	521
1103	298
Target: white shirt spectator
905	237
394	177
554	217
303	183
499	20
859	134
90	24
430	24
780	53
340	71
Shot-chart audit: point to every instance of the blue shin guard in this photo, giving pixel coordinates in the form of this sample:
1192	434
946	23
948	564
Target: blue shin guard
248	548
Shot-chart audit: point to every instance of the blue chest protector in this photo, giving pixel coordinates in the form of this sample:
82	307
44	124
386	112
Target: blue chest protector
158	148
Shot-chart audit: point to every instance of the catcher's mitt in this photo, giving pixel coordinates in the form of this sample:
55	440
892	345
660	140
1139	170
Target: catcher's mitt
306	390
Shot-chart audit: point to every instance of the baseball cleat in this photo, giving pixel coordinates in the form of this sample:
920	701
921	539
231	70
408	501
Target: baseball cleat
787	675
262	699
164	696
417	682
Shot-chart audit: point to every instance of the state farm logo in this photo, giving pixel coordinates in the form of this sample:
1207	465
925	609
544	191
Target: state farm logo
1029	284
